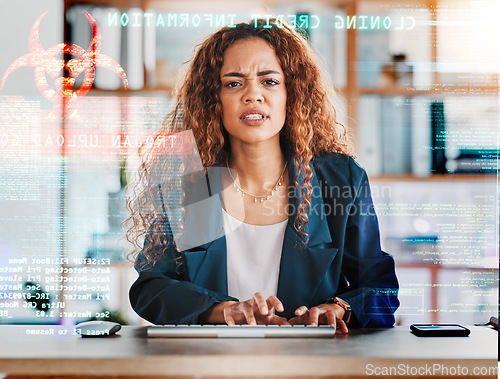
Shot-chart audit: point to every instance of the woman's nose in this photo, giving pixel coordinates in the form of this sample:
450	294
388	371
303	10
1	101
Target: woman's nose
253	94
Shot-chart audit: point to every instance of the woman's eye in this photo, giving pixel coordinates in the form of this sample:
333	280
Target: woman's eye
231	84
271	82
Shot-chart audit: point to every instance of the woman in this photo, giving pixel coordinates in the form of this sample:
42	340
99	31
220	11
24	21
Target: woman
300	241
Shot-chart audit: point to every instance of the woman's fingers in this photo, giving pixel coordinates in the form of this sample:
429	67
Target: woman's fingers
314	315
228	316
301	310
331	318
259	311
343	326
256	311
260	303
248	312
320	315
241	312
294	321
274	302
276	320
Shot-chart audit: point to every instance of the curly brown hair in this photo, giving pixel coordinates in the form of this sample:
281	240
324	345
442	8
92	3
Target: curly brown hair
311	127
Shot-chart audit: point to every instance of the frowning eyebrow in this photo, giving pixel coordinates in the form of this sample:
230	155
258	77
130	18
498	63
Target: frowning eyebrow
261	73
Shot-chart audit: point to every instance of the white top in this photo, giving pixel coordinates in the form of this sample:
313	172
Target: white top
253	257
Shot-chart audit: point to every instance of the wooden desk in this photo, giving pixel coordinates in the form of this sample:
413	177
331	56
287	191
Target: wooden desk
130	354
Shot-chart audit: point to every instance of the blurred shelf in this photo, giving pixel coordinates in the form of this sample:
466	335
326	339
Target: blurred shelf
436	178
441	89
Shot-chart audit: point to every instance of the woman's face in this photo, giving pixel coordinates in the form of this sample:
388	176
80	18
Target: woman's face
253	92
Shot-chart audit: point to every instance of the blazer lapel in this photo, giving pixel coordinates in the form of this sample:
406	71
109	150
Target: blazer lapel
200	222
204	242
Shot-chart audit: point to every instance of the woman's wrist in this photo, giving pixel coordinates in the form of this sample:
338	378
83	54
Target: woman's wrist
344	305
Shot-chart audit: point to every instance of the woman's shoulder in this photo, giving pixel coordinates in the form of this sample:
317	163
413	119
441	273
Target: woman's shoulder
339	167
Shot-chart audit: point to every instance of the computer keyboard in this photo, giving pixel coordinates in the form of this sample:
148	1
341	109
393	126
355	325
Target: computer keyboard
241	331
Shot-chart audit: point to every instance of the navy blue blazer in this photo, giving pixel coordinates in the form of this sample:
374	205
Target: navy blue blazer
342	256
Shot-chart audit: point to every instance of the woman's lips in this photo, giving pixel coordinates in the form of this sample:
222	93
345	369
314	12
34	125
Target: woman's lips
254	117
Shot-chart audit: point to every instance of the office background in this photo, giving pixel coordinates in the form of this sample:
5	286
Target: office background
417	85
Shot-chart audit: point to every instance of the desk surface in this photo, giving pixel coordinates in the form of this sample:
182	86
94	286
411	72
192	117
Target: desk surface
23	351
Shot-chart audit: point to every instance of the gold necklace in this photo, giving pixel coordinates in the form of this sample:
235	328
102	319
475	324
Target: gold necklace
257	198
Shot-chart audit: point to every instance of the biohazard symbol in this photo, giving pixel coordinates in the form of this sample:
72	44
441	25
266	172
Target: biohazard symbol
45	61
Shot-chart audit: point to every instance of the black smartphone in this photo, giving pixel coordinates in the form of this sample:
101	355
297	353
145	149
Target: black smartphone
439	330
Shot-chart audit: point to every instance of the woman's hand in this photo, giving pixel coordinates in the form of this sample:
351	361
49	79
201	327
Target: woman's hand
323	314
255	311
